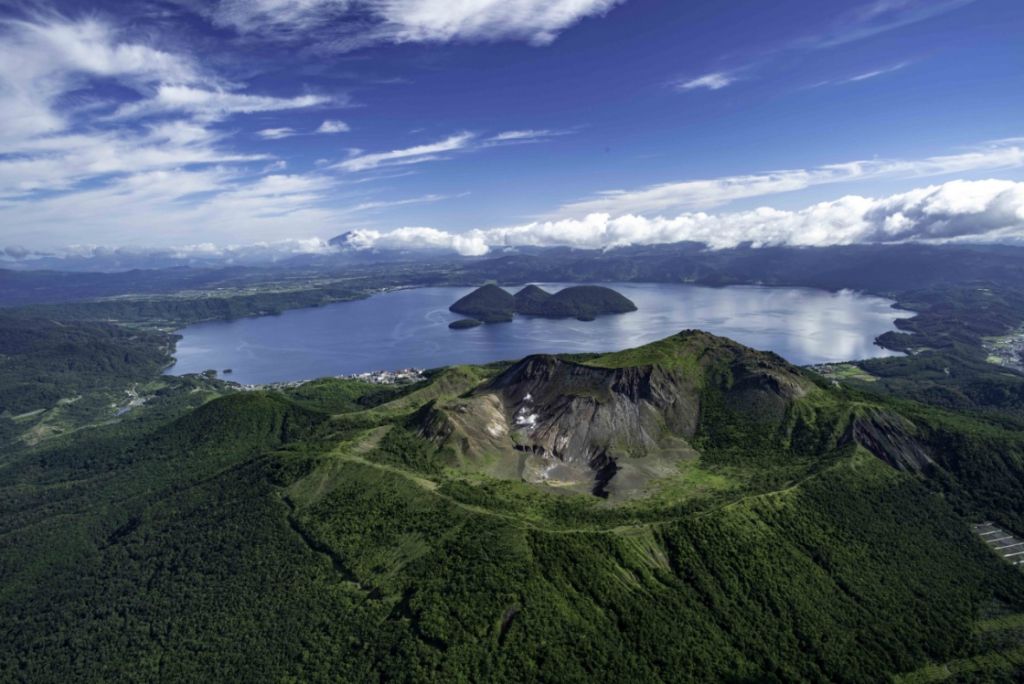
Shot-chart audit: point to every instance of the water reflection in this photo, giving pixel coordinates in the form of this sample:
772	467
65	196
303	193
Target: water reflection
410	328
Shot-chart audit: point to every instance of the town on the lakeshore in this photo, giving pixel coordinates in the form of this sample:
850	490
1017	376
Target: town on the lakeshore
406	376
1006	351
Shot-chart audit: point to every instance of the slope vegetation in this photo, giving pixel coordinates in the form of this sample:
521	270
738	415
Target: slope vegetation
773	528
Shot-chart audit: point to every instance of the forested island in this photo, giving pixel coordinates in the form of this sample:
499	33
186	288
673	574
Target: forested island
492	304
464	324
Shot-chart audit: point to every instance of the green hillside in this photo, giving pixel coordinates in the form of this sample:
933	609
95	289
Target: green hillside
586	300
43	362
531	300
491	304
488	304
761	525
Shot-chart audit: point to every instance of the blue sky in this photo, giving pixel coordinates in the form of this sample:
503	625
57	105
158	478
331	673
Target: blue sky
488	124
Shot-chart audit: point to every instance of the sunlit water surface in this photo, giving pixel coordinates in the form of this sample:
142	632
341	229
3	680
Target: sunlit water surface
409	328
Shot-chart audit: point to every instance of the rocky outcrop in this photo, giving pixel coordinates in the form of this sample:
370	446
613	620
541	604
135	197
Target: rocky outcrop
890	437
552	421
574	422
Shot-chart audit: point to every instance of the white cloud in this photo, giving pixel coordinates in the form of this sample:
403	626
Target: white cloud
863	21
705	194
213	105
520	137
877	72
61	162
68	174
863	77
536	21
39	62
412	155
978	210
216	204
360	161
385	204
882	16
472	244
259	252
276	133
267	15
710	81
333	127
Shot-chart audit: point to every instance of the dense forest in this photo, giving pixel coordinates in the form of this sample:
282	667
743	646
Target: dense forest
491	304
317	535
180	311
43	362
487	304
946	363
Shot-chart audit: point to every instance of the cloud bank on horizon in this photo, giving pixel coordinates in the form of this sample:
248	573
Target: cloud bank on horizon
957	211
989	210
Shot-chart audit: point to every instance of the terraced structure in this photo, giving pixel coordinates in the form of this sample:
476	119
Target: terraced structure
1009	547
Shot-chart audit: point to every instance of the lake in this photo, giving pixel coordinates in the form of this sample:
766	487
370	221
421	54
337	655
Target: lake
409	328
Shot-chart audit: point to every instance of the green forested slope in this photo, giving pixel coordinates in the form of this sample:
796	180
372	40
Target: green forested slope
260	538
488	304
43	361
491	304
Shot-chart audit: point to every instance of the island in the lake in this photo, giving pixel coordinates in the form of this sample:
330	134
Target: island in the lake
464	323
491	304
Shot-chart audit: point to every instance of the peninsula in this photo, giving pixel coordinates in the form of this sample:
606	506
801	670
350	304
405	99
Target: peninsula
492	304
